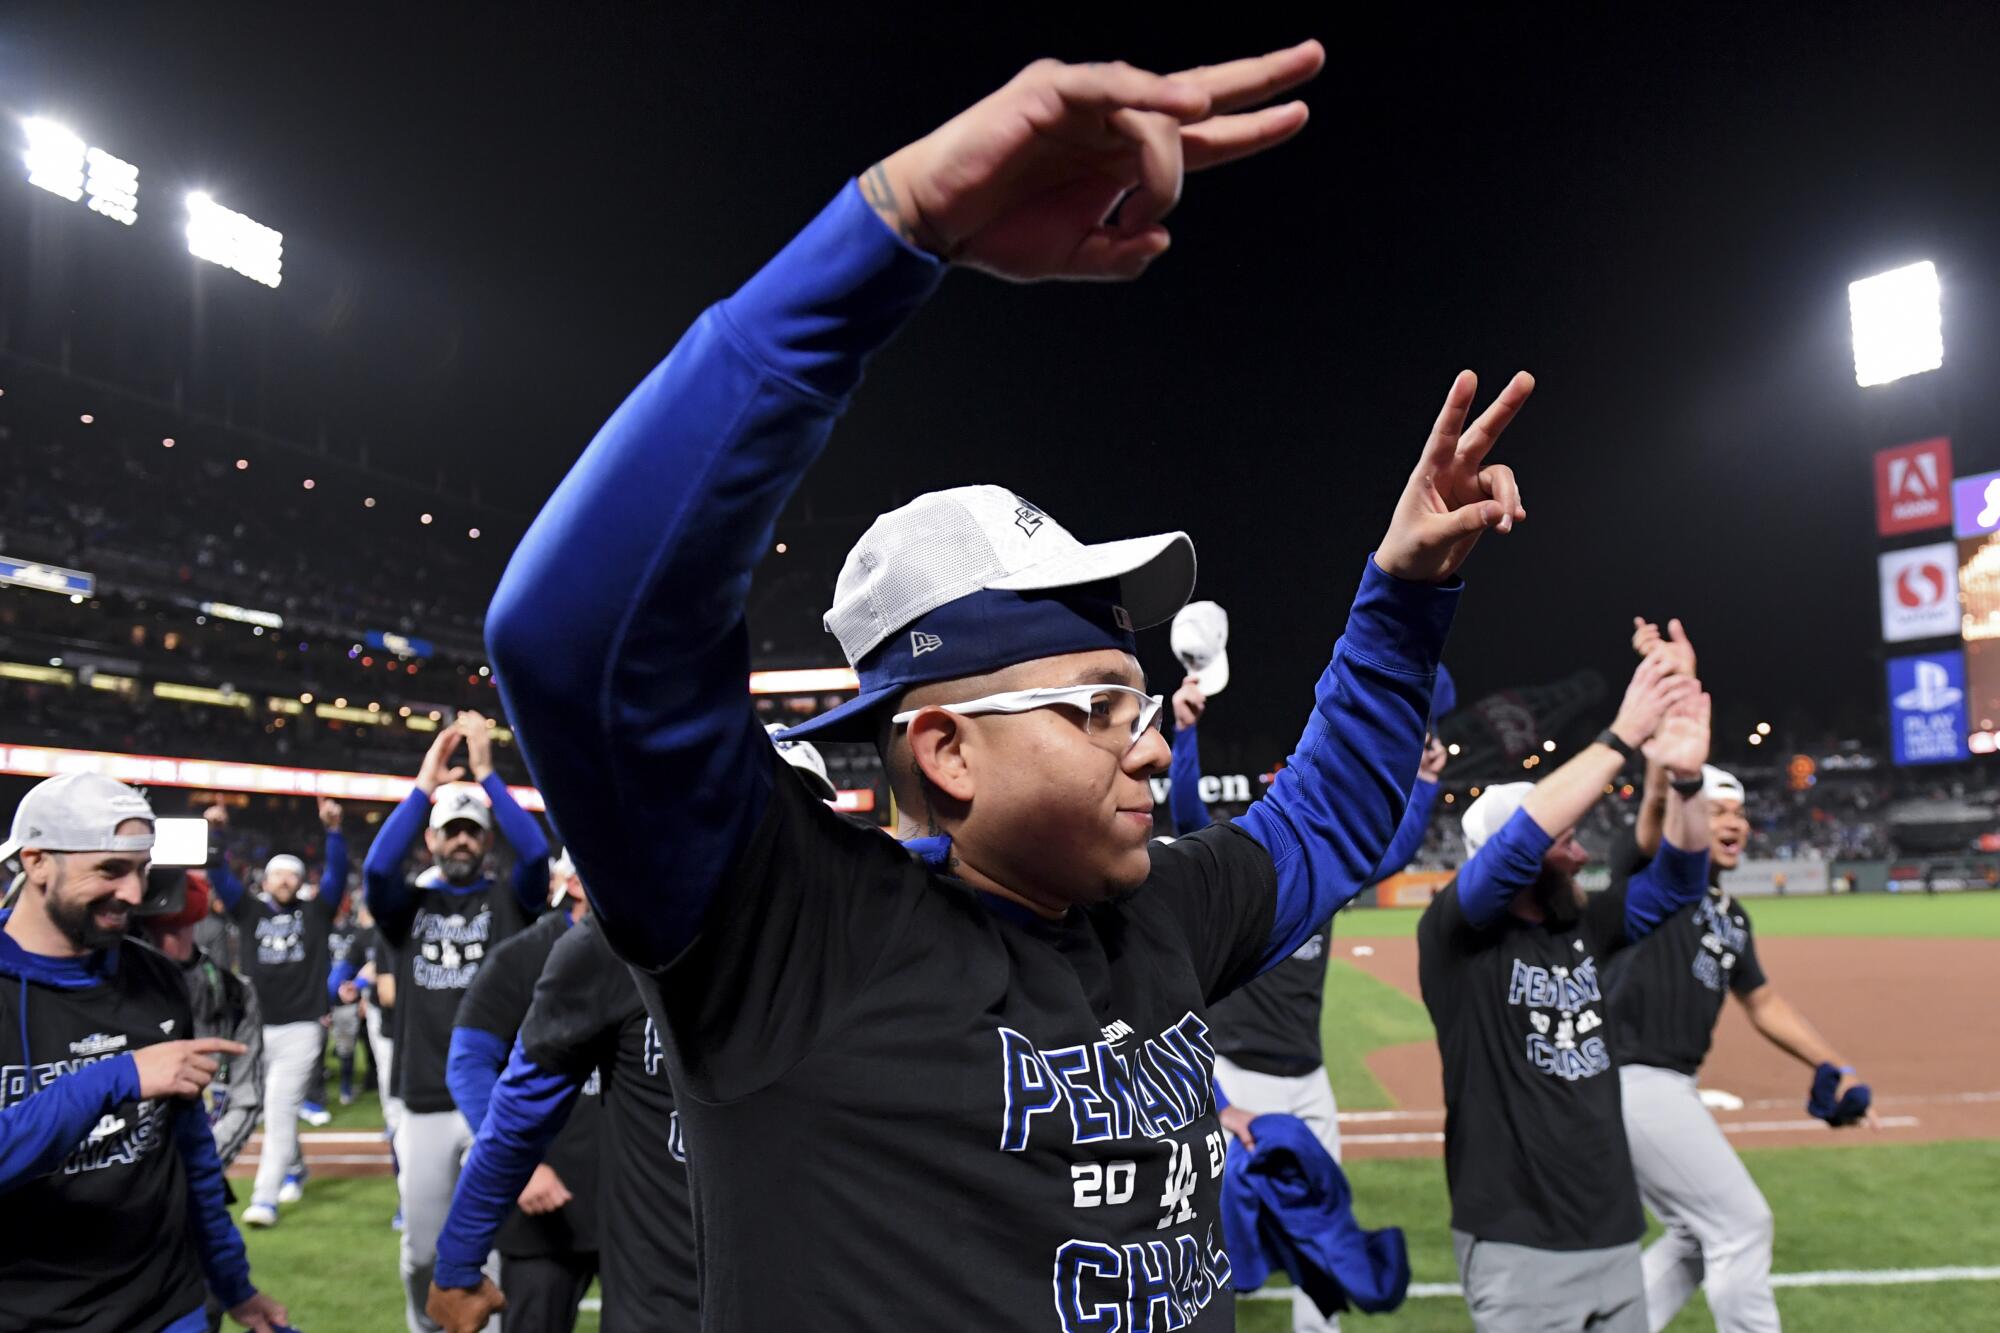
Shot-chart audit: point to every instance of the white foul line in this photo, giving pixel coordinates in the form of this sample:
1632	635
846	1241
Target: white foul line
1832	1277
1739	1127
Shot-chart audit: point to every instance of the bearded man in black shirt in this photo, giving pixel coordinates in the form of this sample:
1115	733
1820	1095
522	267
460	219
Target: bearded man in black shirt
1545	1216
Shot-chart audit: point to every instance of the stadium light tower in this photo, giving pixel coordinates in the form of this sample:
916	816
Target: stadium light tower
55	158
1898	324
223	236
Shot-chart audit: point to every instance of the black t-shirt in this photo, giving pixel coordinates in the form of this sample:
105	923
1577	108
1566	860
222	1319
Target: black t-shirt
1534	1134
1271	1026
286	955
874	1059
439	939
587	1021
497	1002
1667	990
103	1242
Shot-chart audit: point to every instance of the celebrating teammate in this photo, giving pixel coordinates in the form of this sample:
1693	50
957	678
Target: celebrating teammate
991	1058
114	1210
285	957
1269	1059
548	1241
440	928
1666	996
1544	1215
587	1025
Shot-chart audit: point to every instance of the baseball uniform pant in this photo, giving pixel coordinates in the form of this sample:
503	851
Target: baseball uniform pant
1519	1289
289	1052
430	1148
543	1290
1718	1227
316	1084
1310	1098
381	1050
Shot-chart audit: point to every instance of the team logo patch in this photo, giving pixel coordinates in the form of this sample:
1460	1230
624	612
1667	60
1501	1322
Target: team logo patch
167	1027
97	1043
921	643
1028	518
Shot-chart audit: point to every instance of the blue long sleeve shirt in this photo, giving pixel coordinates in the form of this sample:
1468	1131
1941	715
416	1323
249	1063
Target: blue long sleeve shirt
1184	801
389	893
1512	859
529	1107
626	685
38	1132
1409	839
472	1067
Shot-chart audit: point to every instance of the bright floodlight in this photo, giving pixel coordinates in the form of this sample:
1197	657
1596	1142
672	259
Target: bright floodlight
223	236
113	186
1898	329
55	159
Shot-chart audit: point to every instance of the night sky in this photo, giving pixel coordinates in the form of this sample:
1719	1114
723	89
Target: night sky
497	221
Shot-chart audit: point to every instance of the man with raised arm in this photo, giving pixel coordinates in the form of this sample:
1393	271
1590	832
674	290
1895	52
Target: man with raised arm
286	960
441	927
113	1214
1544	1214
1666	996
964	1084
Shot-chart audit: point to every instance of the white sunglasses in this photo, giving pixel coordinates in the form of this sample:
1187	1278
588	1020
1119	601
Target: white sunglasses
1106	709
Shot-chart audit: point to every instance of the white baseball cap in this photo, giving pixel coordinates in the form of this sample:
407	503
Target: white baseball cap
1717	785
1486	816
79	812
562	869
963	573
460	800
804	757
284	862
1201	642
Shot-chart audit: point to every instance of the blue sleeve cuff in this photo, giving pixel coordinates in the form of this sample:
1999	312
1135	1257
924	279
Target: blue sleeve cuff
1510	861
846	282
1399	624
454	1276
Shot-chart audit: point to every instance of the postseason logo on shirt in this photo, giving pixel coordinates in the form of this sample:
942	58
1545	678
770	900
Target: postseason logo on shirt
1561	1008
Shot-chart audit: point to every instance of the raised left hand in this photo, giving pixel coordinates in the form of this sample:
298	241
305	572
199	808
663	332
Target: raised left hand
1680	745
1453	497
478	733
329	814
1189	704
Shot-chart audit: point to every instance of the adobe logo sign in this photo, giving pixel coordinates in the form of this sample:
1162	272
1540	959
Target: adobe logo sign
1919	593
1913	487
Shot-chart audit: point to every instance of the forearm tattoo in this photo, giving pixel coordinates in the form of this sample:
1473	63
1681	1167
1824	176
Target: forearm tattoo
881	196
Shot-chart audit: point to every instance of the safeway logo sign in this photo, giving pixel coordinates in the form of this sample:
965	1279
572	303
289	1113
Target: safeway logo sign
1913	487
1919	593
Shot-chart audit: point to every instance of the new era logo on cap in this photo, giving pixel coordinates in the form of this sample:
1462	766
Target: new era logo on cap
949	544
921	643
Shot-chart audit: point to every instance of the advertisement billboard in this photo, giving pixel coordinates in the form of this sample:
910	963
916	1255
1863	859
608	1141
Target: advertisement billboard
1912	487
1919	592
1927	713
1975	505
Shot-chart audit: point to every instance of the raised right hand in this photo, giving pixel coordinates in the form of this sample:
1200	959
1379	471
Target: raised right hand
1023	184
1646	639
1654	689
1189	704
437	769
457	1310
181	1068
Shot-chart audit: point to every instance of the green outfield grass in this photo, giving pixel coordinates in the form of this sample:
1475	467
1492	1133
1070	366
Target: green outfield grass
1361	1015
333	1258
1872	915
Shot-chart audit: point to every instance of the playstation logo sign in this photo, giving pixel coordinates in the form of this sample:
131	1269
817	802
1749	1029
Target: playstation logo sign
1913	487
1927	712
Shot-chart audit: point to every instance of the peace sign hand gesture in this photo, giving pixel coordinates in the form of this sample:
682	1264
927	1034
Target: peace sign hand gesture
1453	497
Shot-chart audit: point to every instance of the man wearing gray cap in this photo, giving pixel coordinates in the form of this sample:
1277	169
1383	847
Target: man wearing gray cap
1544	1214
964	1083
115	1208
285	957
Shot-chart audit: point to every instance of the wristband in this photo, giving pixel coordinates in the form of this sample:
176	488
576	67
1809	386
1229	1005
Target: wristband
1845	1069
1616	742
1687	788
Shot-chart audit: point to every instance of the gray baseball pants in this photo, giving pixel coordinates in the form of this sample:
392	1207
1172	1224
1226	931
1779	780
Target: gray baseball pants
1518	1289
1718	1227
